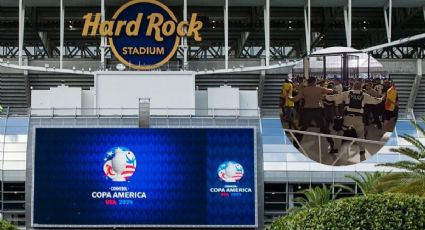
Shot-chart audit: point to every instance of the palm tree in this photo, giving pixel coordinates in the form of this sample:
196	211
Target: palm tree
317	196
411	179
366	182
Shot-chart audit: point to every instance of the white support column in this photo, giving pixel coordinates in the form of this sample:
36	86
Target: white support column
226	34
103	38
21	30
307	24
62	32
267	31
347	22
388	16
184	40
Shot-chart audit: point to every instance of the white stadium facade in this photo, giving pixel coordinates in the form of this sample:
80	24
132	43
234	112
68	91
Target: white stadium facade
53	77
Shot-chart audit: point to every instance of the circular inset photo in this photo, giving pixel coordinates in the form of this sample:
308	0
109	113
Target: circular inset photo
339	106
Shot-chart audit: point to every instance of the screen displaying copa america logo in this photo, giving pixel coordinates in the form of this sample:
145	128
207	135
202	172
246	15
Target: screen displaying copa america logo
143	34
230	172
175	178
120	164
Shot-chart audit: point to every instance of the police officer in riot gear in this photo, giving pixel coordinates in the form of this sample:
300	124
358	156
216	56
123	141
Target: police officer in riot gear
355	99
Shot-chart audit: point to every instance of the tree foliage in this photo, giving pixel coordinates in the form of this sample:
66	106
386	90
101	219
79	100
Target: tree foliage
316	196
4	225
375	211
366	182
411	178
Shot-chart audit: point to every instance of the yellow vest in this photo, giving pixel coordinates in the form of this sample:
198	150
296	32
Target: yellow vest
286	92
390	101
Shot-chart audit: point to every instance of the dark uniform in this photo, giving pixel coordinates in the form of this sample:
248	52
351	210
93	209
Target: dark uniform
354	102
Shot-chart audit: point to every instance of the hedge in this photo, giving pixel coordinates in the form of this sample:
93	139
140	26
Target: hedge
4	225
377	211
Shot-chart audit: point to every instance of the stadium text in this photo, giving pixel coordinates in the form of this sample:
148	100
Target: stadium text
143	51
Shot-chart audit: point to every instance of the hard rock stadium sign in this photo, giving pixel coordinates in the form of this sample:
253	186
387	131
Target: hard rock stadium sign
143	34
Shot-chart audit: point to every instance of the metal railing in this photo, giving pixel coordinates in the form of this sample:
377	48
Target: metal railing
412	115
131	112
194	112
320	135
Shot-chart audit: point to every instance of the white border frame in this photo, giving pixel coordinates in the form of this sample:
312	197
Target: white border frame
256	225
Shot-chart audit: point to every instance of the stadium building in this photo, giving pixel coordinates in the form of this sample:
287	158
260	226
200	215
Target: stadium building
227	78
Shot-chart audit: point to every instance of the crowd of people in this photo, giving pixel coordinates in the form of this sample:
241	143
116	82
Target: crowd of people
353	109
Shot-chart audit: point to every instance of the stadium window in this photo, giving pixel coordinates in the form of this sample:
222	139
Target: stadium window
299	188
275	201
274	187
15	218
13	206
14	186
14	196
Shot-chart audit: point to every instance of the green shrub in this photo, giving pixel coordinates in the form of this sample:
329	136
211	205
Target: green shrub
376	211
4	225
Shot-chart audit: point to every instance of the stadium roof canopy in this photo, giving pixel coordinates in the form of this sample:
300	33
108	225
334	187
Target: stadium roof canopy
41	39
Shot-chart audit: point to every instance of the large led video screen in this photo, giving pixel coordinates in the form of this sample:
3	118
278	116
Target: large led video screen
134	177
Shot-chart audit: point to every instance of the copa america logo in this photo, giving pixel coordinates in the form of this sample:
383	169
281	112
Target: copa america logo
230	171
120	164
